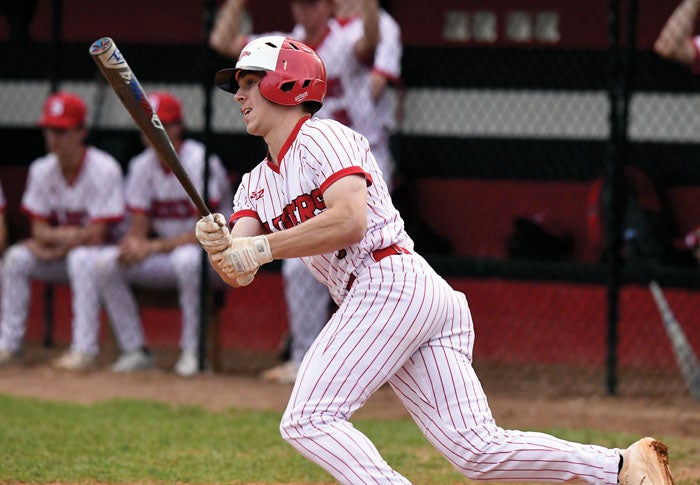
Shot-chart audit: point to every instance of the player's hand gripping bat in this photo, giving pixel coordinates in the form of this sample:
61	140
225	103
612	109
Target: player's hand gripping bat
124	83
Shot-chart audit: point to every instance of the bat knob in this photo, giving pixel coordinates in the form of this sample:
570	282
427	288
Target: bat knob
100	46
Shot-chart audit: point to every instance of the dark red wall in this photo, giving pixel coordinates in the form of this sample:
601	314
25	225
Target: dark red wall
583	23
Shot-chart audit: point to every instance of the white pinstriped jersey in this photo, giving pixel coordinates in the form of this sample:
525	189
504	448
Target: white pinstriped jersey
318	153
154	190
94	195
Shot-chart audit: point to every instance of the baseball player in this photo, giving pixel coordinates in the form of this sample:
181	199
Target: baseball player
73	196
319	196
349	44
159	249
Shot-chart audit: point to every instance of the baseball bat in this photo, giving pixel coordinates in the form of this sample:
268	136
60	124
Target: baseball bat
687	360
124	83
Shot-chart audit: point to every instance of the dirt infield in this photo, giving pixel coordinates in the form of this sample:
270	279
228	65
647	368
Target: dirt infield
675	417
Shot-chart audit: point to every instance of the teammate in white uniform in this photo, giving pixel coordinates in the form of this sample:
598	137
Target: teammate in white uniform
319	195
677	41
356	55
73	195
159	249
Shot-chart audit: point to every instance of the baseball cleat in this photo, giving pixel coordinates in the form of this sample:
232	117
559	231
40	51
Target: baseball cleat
282	374
645	463
75	361
7	357
133	361
188	364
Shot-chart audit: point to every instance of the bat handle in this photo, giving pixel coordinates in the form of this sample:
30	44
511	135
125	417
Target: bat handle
209	217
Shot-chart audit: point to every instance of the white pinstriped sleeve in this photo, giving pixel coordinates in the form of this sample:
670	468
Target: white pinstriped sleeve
332	148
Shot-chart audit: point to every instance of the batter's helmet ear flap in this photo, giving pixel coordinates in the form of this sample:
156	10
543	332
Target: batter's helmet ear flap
294	72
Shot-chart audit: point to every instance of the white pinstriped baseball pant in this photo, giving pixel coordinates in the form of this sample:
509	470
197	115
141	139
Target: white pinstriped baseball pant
401	323
20	267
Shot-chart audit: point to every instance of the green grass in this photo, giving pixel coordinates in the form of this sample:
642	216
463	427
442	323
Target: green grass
127	441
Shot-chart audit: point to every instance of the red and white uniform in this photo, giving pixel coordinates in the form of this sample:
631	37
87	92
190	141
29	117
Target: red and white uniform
349	101
398	322
94	195
155	190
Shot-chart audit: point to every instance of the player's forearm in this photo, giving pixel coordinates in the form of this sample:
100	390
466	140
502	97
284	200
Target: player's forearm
225	35
67	236
167	244
328	232
675	39
367	44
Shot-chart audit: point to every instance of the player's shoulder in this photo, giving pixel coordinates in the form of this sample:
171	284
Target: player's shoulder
46	166
98	156
192	151
386	21
318	123
323	128
43	162
144	160
101	163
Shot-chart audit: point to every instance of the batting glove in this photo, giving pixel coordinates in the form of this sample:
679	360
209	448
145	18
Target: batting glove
246	255
245	280
222	261
214	236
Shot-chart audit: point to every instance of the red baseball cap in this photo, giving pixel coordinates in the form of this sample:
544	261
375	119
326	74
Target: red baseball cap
166	106
63	110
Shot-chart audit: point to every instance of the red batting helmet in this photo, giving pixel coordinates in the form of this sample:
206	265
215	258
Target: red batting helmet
294	74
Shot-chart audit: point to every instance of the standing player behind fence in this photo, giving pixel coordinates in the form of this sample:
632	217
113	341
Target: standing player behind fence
159	249
319	195
72	196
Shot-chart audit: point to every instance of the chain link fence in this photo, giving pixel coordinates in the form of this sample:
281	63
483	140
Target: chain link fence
546	165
